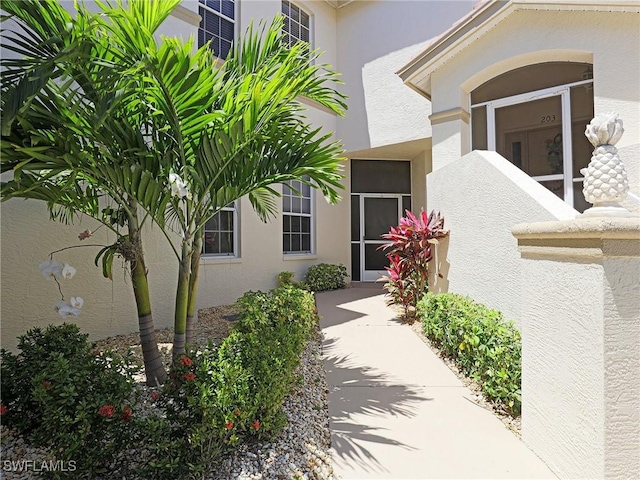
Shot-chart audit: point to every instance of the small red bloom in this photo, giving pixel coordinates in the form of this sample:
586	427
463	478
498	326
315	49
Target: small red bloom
3	410
126	414
256	425
186	361
229	425
154	396
96	352
237	413
106	411
46	384
189	376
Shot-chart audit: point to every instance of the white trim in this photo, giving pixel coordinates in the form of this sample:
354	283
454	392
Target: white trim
562	91
368	275
533	95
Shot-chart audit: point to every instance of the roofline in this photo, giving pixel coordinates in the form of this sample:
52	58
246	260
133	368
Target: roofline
495	11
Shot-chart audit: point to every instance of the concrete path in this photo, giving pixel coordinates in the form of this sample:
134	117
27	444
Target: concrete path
397	412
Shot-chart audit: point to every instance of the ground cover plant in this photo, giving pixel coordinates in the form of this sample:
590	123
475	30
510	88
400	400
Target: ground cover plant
81	404
479	340
409	252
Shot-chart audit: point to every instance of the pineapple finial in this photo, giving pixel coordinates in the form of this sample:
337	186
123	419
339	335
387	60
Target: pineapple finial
605	182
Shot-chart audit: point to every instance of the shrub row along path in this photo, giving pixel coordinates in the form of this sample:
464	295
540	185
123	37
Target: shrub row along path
396	411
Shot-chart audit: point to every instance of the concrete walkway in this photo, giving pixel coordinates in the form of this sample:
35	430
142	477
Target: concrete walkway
396	411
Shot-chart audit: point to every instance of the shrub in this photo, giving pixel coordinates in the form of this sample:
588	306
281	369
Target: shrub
484	346
409	253
64	395
218	396
325	276
285	278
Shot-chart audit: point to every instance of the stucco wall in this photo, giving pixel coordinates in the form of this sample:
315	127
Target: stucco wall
580	291
562	376
376	38
611	40
482	196
28	237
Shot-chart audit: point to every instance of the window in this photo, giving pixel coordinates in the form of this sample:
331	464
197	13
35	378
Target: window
297	217
296	24
217	24
220	233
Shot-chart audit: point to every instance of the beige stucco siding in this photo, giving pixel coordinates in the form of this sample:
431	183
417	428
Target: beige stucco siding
374	39
482	196
611	40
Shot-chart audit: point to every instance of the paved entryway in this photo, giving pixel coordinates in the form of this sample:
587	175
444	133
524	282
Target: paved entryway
397	412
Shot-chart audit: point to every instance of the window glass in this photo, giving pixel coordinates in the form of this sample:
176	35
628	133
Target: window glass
220	233
297	217
217	25
296	24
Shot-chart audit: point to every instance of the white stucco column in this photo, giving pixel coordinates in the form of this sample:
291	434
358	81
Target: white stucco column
450	131
580	295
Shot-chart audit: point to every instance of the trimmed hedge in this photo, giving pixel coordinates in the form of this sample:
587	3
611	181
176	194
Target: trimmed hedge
484	345
217	396
325	276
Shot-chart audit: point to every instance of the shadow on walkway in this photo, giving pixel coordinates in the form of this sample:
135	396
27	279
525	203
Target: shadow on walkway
361	391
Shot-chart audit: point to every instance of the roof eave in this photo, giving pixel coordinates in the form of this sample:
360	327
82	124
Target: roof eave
417	73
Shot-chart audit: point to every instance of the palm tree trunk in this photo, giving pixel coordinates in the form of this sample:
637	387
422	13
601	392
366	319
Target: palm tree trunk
153	367
182	302
192	314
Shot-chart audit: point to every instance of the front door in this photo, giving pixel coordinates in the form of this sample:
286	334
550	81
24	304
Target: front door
378	213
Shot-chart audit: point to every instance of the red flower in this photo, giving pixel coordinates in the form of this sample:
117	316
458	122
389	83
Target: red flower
229	425
3	410
189	376
154	396
46	384
256	425
106	411
237	413
84	235
126	414
186	361
96	352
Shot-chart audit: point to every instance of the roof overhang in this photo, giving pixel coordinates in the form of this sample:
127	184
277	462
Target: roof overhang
338	3
417	73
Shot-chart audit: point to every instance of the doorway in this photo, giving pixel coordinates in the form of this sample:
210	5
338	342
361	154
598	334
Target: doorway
380	193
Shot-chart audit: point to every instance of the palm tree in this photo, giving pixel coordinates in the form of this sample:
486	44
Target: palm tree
199	137
70	136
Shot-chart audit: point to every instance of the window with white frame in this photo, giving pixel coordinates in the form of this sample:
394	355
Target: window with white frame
296	26
297	217
220	233
217	25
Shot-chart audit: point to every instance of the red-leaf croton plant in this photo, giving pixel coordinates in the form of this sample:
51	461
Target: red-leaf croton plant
409	252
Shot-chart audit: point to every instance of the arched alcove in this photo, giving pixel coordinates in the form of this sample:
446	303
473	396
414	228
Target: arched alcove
534	115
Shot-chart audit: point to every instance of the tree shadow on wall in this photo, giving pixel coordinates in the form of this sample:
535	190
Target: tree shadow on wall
376	396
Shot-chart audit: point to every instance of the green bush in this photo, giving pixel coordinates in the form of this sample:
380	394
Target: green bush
484	346
66	396
218	396
325	276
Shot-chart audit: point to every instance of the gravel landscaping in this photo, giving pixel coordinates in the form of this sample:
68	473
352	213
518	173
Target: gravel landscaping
301	451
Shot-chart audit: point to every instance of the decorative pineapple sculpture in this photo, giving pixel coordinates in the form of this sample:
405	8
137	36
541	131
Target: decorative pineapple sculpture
605	178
